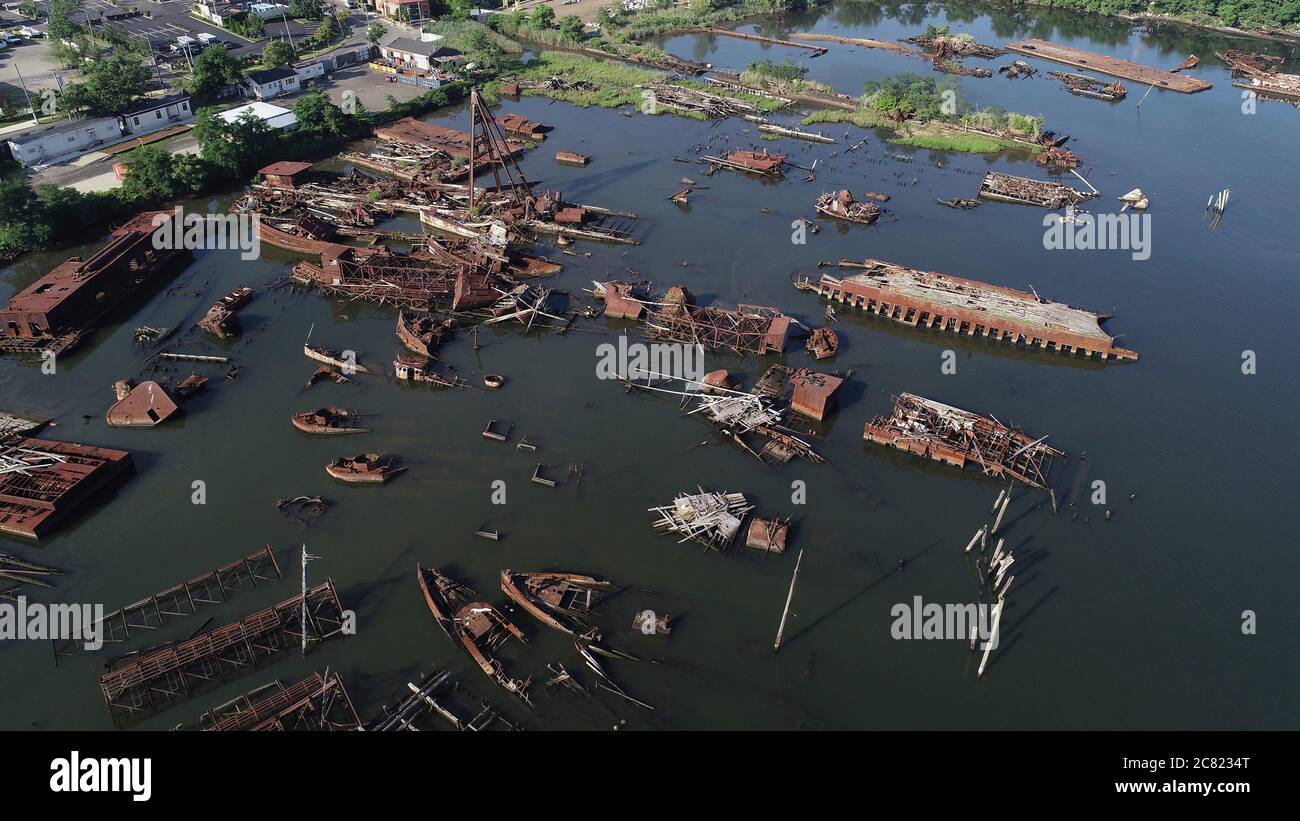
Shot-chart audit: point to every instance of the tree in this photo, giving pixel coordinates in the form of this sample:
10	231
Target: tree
306	9
479	45
543	17
317	114
149	175
62	26
27	8
374	33
21	225
214	69
277	53
456	9
603	17
110	87
233	148
329	30
571	27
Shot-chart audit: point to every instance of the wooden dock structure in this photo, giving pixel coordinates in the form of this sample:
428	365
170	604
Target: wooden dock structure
1113	66
817	51
925	299
311	705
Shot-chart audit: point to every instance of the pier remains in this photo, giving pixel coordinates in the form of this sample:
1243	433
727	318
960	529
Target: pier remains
314	704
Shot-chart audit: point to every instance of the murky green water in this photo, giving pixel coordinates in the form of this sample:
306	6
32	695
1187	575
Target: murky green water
1131	623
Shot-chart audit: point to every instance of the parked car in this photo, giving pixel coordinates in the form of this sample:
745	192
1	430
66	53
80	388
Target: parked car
13	39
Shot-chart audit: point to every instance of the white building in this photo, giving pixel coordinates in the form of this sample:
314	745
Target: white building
268	11
52	143
278	118
271	83
154	113
309	71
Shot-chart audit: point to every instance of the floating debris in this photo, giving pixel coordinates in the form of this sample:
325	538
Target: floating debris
712	519
1026	191
768	535
751	162
1136	200
963	204
823	343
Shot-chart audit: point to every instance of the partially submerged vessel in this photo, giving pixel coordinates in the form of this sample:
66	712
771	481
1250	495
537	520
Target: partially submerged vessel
221	320
328	421
571	158
560	600
842	205
363	469
333	358
477	626
422	333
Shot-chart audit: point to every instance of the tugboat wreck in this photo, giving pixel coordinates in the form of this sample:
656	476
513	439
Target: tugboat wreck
954	436
925	299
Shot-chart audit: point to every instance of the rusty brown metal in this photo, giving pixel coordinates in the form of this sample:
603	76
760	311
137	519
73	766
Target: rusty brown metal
43	481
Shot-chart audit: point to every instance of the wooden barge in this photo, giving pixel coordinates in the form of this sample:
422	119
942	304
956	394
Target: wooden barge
477	626
58	310
750	162
1103	64
524	127
925	299
954	436
1027	191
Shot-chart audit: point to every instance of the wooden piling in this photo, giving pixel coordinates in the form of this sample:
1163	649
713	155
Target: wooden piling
780	631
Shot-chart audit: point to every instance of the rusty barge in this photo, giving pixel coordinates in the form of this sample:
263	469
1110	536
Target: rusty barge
954	437
926	299
43	481
1104	64
57	311
1028	191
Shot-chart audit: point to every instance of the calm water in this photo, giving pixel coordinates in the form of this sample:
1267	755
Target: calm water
1131	623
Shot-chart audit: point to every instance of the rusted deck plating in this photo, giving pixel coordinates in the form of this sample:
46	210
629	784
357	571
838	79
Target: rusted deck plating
925	299
42	481
1113	66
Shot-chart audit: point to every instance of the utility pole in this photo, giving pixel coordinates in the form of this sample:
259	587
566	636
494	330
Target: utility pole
306	557
31	107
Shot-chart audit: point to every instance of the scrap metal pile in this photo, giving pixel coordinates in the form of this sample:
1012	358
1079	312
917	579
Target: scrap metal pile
954	436
749	329
1026	191
1261	69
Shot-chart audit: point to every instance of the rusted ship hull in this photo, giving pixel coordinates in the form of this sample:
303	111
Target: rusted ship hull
366	469
327	422
331	358
550	597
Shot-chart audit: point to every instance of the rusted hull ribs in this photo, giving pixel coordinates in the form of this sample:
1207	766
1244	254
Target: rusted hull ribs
954	437
925	299
156	680
311	705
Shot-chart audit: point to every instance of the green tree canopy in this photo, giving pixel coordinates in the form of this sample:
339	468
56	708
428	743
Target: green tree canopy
277	53
543	17
571	26
62	26
214	69
110	87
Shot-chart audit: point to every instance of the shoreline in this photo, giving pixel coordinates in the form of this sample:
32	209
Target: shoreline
1285	37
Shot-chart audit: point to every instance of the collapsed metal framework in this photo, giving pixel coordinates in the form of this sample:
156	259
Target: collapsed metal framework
407	282
953	436
749	329
314	704
1028	191
155	680
422	701
182	600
